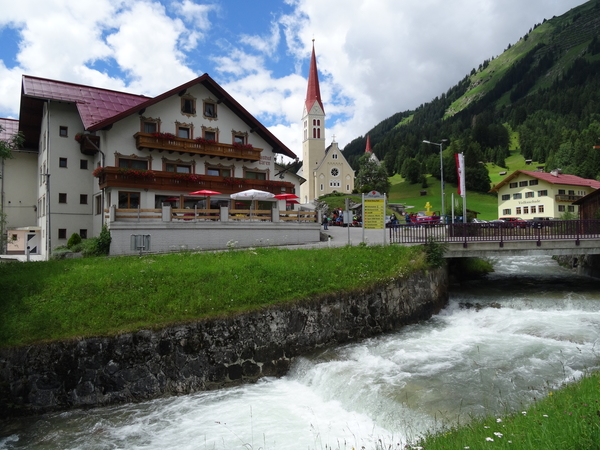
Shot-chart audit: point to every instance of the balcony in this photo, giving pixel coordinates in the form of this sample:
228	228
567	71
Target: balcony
184	182
192	147
567	198
89	144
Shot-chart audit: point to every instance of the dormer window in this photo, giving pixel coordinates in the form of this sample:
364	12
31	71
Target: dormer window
210	109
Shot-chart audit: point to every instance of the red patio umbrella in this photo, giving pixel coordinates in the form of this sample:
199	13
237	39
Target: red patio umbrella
206	193
286	196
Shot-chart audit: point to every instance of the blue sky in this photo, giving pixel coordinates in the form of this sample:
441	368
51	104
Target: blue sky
375	57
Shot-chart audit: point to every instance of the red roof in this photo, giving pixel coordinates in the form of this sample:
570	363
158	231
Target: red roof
559	178
9	127
368	148
313	93
94	104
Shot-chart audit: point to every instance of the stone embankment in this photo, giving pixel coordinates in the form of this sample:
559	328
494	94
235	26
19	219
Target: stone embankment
208	354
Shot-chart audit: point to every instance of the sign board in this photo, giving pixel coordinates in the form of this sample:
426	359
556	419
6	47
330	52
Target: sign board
374	211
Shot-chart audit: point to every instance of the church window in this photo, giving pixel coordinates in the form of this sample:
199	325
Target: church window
347	187
334	156
322	186
335	172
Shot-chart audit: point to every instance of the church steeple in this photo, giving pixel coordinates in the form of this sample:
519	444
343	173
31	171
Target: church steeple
313	93
368	148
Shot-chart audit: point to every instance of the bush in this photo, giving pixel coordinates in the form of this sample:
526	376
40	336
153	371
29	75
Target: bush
435	252
103	244
74	240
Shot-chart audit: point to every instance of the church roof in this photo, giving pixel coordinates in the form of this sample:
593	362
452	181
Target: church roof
313	93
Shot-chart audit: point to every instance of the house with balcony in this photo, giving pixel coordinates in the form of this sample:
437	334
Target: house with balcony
88	150
528	194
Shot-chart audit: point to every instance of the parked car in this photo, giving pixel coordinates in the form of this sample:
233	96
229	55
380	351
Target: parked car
481	222
514	222
540	222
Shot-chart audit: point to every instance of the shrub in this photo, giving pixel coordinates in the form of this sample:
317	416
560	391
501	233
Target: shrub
435	252
74	240
103	244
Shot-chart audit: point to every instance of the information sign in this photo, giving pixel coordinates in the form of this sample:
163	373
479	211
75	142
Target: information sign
374	211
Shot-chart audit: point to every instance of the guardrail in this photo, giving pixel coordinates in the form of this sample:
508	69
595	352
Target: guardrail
497	232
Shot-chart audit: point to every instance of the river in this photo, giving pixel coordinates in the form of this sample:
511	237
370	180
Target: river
500	343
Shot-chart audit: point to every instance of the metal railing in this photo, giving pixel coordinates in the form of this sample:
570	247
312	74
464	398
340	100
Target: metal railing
497	232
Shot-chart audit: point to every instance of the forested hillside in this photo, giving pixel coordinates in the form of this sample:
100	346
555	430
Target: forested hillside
544	91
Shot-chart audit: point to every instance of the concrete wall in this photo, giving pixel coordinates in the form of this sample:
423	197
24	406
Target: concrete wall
208	354
171	237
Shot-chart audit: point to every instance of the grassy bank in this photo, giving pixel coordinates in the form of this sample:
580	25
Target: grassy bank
565	419
43	301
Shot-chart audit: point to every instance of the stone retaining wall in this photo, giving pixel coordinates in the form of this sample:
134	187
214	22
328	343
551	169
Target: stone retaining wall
209	354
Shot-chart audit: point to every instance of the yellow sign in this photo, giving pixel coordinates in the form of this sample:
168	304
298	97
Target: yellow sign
373	214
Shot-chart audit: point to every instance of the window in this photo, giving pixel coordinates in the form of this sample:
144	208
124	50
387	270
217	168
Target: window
83	164
533	182
141	164
347	187
571	208
513	185
518	210
523	183
582	193
571	192
178	168
183	132
83	234
62	233
506	212
322	186
525	210
188	105
62	162
98	204
506	197
335	172
529	194
150	127
517	196
561	208
540	208
210	109
533	210
218	171
239	139
256	175
543	193
83	199
210	136
129	200
63	131
561	192
334	156
334	183
62	198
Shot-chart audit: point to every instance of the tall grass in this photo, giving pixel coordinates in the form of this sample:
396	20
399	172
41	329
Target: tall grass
42	301
566	419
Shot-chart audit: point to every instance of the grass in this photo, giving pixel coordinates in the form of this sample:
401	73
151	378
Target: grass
62	299
566	419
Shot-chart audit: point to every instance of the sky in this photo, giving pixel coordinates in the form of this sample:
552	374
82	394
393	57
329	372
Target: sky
375	57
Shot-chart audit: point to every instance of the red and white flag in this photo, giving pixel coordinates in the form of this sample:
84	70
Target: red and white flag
460	171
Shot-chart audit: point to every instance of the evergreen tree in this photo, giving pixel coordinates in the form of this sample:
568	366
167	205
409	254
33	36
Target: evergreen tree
371	175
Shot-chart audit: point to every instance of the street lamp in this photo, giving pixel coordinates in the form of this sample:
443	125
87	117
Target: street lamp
440	145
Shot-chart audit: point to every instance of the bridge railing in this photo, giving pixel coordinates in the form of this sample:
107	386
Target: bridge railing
497	232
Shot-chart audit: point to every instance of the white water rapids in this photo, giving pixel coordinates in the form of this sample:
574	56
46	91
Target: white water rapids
531	326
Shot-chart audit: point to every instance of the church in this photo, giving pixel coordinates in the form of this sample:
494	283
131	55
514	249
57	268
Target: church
325	169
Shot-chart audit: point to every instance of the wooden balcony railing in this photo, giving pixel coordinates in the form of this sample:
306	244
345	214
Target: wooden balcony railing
184	183
181	145
567	198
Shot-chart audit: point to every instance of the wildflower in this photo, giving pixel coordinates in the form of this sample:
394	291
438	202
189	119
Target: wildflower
489	439
524	413
498	434
485	426
498	420
545	415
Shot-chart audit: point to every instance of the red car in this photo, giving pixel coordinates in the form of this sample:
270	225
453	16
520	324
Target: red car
514	222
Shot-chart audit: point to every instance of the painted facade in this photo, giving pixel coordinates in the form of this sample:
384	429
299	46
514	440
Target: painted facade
537	194
88	149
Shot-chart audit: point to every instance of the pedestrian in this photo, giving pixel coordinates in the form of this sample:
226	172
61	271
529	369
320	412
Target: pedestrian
325	222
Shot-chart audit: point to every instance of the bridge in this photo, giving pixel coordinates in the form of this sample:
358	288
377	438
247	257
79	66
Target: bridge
557	237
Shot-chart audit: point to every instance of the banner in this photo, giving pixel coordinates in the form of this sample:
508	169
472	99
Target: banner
460	171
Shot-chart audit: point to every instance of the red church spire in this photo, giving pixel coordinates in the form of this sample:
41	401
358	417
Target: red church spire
313	93
368	149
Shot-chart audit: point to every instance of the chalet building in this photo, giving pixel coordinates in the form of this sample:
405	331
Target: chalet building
325	169
589	206
538	194
89	149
